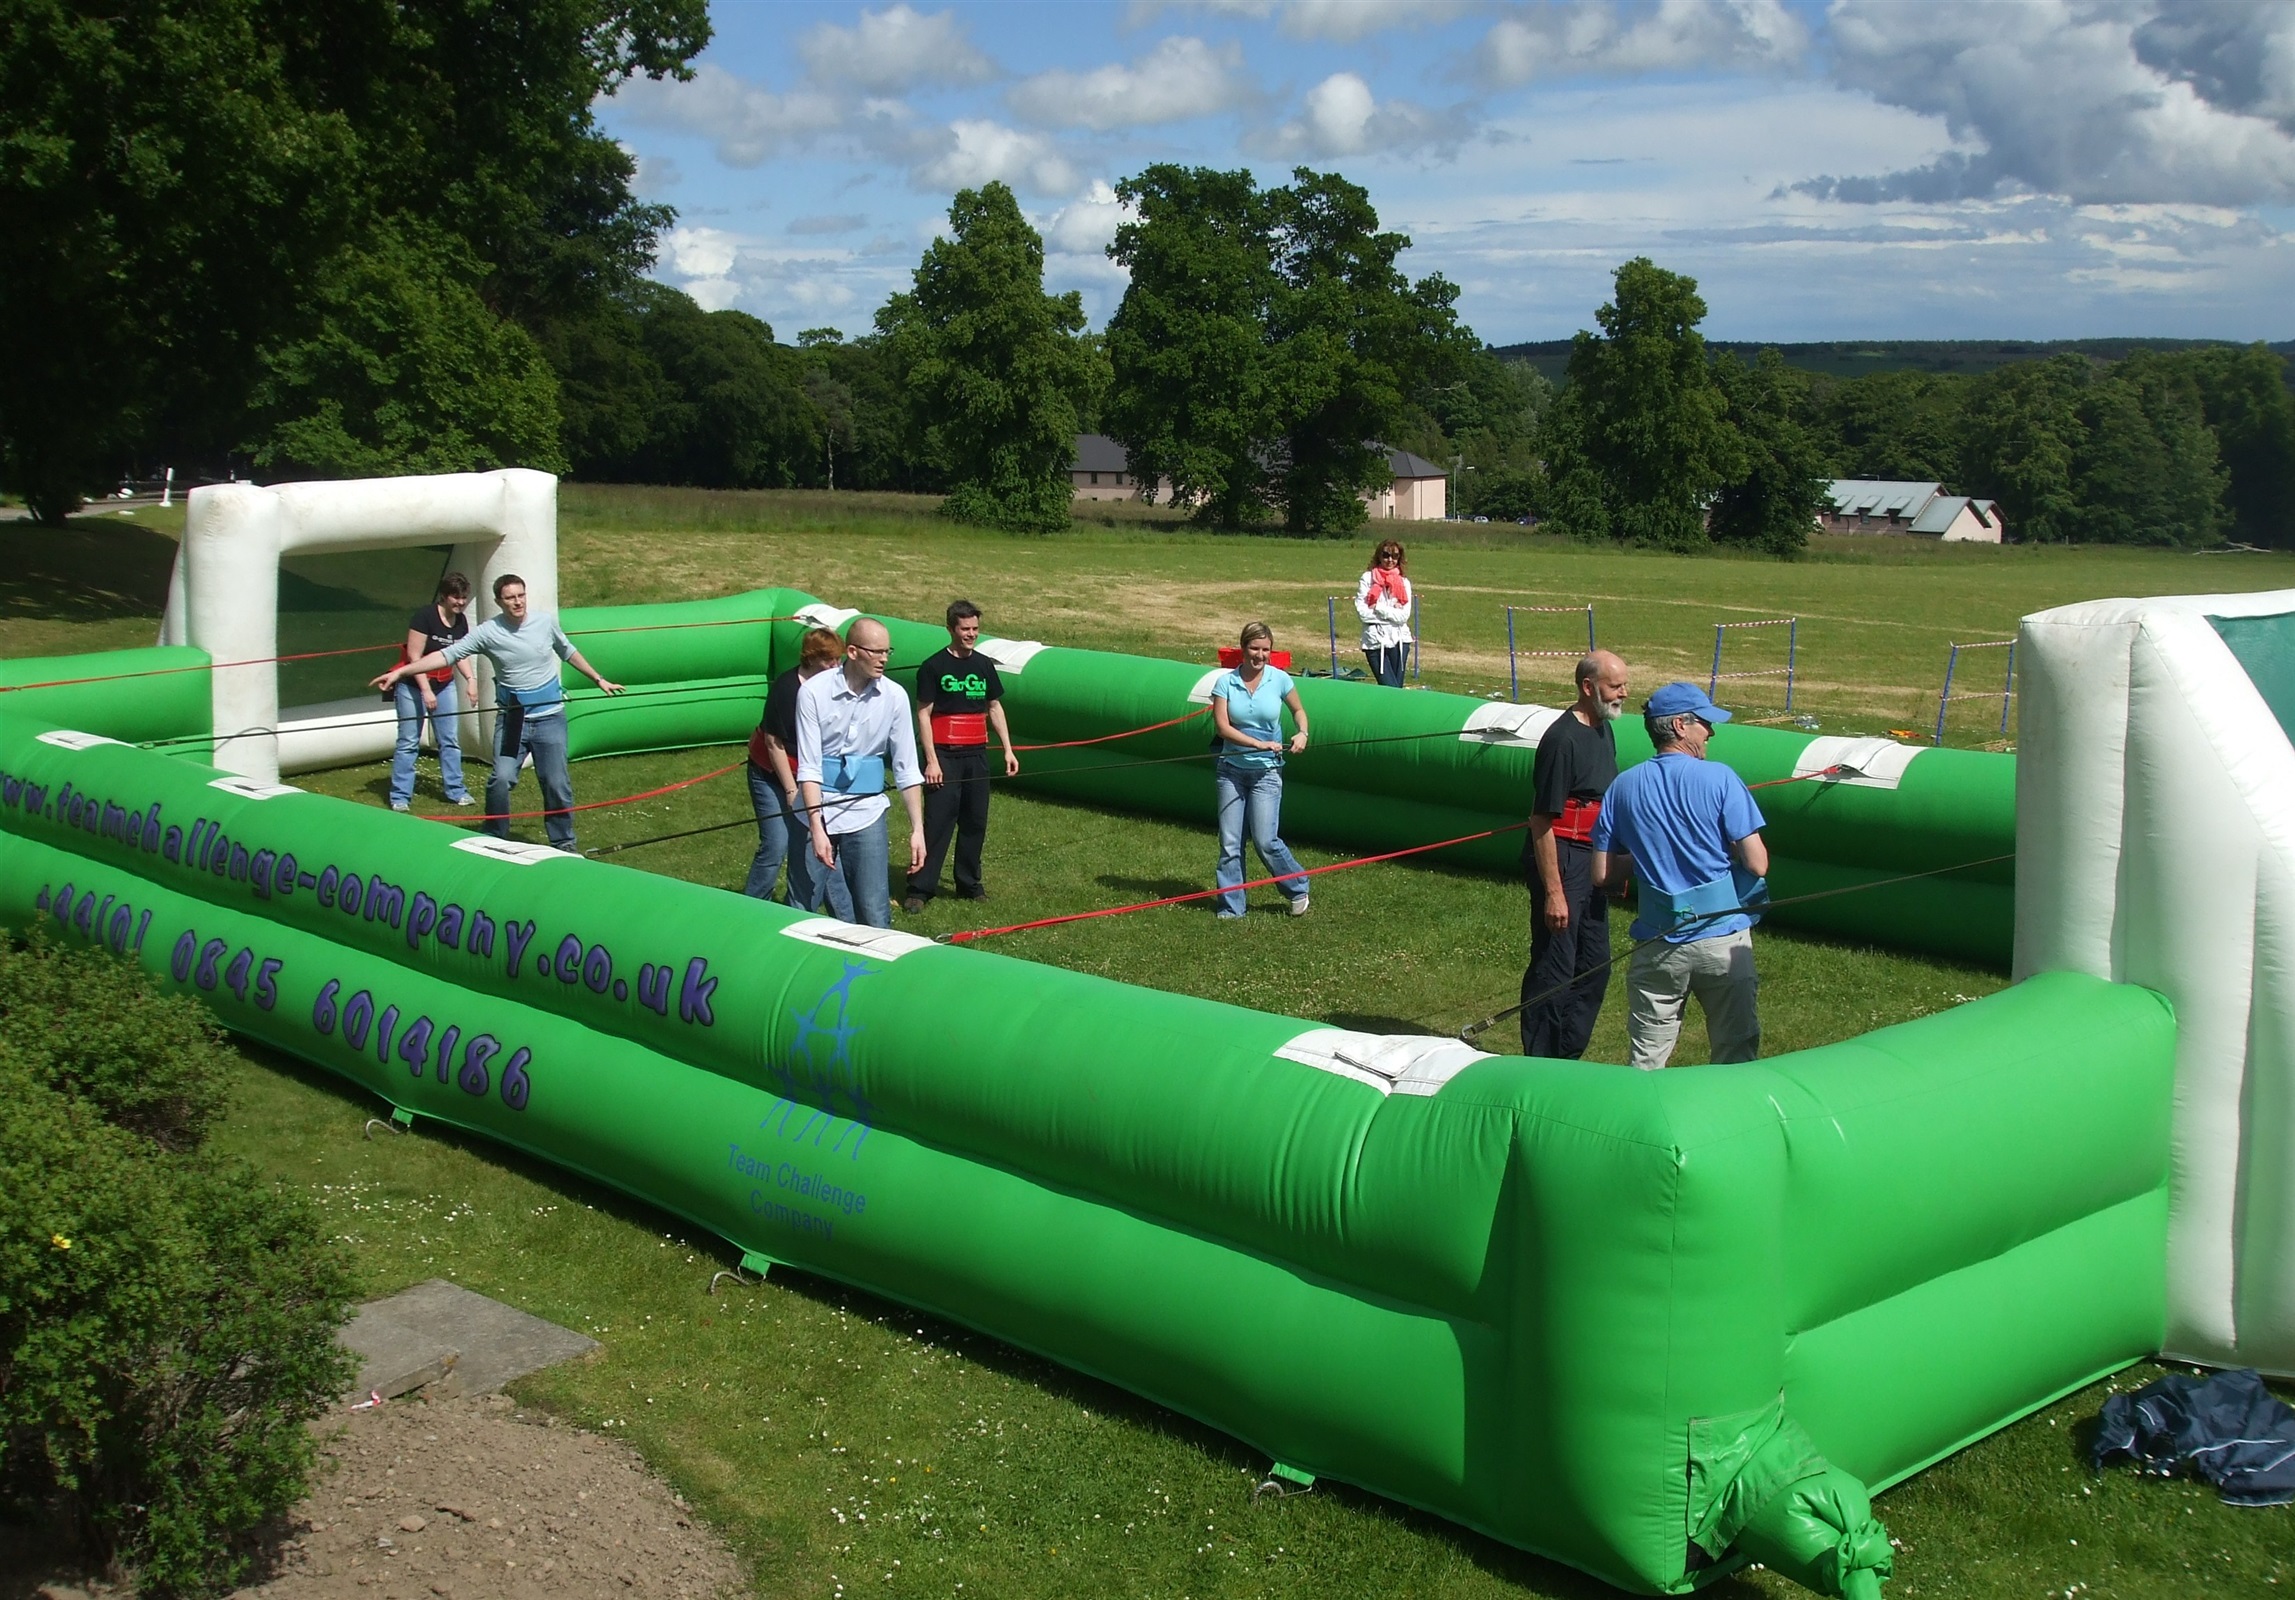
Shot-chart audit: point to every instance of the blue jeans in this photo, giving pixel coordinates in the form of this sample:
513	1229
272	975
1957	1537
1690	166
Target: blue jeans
1386	663
544	738
859	887
781	833
445	726
1253	795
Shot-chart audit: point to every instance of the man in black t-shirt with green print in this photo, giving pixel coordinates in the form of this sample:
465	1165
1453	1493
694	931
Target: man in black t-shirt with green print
959	697
1577	762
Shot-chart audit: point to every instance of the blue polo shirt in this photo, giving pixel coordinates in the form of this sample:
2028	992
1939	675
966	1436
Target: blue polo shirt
1256	712
1677	817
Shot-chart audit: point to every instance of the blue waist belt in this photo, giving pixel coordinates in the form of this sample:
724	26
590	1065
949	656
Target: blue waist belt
1700	908
853	774
548	694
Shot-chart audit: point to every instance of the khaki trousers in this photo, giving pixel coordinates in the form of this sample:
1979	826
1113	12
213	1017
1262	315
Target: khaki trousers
1661	978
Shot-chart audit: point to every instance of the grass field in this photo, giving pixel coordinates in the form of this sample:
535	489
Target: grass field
847	1446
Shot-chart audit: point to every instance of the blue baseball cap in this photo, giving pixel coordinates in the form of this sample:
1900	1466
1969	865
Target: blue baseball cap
1683	700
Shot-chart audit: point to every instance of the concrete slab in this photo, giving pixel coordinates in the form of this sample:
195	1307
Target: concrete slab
490	1343
393	1358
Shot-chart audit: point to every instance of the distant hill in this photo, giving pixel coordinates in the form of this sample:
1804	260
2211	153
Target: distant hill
1856	358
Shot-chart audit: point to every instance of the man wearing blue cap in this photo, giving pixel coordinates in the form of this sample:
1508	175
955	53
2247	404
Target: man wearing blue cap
1694	834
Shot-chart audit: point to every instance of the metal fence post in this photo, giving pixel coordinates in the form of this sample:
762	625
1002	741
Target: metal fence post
2007	688
1590	646
1944	695
1417	650
1713	679
1513	680
1792	644
1331	606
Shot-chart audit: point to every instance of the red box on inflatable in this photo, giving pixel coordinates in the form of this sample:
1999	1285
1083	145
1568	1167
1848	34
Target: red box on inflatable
1231	655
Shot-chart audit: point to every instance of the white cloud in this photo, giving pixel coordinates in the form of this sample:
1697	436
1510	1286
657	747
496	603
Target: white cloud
1700	177
2106	102
1181	78
979	151
1143	12
1559	38
1086	224
651	177
1349	20
814	227
893	50
1342	20
699	252
1341	117
745	122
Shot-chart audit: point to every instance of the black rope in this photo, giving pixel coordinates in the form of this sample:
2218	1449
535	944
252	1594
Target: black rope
1474	1029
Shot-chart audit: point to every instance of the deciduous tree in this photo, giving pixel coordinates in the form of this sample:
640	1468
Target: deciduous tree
1642	440
1354	339
994	365
1772	503
1192	399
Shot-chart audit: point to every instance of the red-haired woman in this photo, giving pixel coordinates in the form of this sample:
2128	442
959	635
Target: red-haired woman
1383	601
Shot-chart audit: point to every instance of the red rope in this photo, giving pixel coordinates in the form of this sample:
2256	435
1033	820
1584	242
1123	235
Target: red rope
1128	733
356	650
599	805
1205	894
672	627
202	666
1833	771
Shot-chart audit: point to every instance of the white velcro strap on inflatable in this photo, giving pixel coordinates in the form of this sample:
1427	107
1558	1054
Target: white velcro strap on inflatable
1877	763
1011	655
518	852
1503	722
821	614
252	788
884	944
1392	1063
1201	693
73	739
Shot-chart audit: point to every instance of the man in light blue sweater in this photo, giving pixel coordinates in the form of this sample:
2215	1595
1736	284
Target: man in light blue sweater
525	650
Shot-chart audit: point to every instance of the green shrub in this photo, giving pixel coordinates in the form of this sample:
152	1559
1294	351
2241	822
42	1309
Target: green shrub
82	1022
166	1319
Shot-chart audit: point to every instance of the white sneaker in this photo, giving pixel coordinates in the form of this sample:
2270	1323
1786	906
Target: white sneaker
400	805
1299	906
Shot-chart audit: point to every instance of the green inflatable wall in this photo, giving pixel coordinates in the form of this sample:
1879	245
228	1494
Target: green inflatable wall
1654	1325
1384	771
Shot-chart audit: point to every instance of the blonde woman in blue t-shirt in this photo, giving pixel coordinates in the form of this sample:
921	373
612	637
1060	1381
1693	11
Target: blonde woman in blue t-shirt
1247	707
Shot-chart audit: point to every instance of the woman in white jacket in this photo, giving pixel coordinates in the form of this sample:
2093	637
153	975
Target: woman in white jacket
1383	601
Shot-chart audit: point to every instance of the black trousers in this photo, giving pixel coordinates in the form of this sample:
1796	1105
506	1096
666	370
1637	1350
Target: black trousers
1559	1026
958	809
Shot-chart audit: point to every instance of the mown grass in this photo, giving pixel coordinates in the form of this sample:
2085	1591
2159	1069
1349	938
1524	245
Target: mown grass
847	1445
1877	615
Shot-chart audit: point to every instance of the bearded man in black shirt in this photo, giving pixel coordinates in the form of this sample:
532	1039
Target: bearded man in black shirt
1577	762
959	697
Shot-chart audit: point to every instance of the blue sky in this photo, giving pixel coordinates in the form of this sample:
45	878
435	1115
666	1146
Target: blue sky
1864	168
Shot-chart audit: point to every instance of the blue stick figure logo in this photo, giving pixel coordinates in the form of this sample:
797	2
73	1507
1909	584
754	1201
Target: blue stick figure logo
821	1065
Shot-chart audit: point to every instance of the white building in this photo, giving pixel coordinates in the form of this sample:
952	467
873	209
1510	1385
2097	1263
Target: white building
1877	505
1419	492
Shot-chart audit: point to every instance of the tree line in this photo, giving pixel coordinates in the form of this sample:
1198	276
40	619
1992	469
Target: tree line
382	236
1655	440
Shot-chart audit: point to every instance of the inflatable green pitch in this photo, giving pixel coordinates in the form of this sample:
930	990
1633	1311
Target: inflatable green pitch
1653	1325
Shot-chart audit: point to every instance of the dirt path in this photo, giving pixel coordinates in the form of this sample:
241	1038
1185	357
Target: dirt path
474	1500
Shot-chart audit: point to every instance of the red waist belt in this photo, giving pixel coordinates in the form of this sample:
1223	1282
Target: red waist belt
971	728
1577	820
